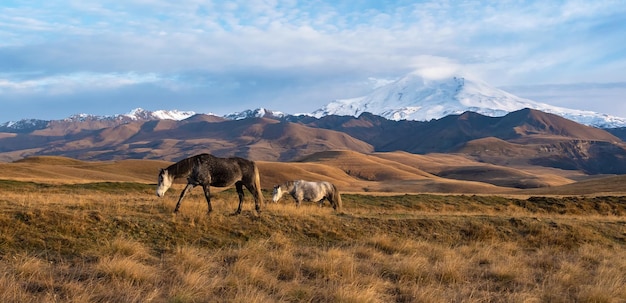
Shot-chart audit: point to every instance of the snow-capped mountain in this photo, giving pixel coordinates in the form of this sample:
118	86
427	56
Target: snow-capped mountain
137	114
142	114
256	113
415	97
24	124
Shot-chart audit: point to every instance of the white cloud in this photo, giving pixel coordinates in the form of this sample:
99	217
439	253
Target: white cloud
435	68
74	82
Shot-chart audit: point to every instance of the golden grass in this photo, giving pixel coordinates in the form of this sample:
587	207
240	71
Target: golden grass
106	242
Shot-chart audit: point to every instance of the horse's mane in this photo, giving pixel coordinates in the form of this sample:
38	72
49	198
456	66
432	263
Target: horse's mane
182	167
288	184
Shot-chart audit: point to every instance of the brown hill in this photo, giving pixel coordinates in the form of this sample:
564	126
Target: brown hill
527	123
524	137
370	128
368	167
598	186
258	139
618	132
451	133
62	127
405	172
49	169
589	156
461	167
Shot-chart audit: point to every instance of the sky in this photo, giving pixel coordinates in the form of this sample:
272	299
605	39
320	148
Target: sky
64	57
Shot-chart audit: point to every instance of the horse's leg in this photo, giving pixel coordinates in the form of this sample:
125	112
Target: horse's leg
239	187
297	198
182	195
207	196
255	193
331	201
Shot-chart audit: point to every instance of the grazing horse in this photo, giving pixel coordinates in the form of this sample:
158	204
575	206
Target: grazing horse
302	190
207	170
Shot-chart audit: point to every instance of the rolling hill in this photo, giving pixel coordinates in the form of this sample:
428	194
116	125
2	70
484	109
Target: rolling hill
377	173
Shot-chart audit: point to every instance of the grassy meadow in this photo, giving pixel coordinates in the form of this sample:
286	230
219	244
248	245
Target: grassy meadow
118	242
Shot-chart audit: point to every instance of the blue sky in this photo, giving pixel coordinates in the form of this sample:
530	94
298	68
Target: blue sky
63	57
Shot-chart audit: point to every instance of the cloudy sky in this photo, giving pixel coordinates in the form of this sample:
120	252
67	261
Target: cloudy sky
63	57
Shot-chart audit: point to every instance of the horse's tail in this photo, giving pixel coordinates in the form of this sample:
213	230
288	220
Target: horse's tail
257	183
337	198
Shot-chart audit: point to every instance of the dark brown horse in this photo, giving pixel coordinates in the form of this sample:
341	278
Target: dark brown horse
207	170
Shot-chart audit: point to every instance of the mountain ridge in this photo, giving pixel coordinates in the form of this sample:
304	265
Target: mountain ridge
412	97
137	114
524	137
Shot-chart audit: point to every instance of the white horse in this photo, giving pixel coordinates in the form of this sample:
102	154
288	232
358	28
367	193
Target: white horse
302	190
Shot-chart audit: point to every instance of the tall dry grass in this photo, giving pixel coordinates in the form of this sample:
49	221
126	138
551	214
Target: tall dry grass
97	244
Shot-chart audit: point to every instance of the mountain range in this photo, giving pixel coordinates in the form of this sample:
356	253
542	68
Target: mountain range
492	136
525	137
412	97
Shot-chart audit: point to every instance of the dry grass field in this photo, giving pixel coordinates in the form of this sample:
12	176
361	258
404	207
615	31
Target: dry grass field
80	232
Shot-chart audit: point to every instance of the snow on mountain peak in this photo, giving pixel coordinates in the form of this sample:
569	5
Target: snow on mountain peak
415	97
256	113
142	114
173	114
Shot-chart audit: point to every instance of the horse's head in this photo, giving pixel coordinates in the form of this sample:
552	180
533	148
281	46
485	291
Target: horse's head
164	183
277	193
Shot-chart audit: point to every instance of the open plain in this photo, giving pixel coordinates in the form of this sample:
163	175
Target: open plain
414	228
